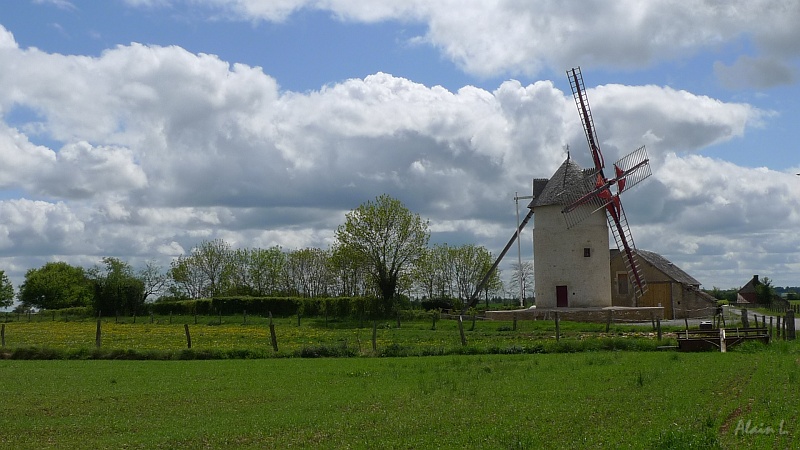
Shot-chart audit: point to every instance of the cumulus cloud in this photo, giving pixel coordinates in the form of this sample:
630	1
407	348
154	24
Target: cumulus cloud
160	148
760	73
512	37
720	217
667	120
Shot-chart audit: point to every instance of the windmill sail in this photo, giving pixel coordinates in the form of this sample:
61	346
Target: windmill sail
597	191
624	240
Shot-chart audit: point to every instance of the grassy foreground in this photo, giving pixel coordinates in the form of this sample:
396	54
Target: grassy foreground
581	400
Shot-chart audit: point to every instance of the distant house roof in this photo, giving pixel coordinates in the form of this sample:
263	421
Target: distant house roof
750	287
567	184
665	266
747	294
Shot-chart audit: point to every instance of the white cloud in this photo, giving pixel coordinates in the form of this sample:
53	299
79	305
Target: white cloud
62	4
163	148
495	38
667	120
760	73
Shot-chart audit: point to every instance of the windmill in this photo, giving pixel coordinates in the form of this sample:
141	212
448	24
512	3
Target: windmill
582	193
598	189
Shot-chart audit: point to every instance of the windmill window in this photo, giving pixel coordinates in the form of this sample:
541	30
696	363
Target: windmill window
587	252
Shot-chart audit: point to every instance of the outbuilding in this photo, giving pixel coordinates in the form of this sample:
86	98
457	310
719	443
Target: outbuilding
668	286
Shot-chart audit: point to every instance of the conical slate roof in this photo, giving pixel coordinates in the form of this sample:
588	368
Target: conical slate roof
567	183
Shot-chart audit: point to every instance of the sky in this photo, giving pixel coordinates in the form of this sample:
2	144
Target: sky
139	128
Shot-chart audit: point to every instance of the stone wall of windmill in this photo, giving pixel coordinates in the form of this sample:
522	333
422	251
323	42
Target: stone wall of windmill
571	264
571	261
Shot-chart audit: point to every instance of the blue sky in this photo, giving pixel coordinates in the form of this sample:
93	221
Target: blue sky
138	128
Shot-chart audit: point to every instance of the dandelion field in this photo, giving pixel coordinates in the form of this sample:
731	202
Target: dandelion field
164	337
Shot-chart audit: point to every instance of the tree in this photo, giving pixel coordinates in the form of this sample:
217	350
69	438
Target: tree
153	279
116	288
266	268
765	292
212	259
525	273
433	272
470	264
6	291
204	273
348	274
56	285
308	272
388	238
188	281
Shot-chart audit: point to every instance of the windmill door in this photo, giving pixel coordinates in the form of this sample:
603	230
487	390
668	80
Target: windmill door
561	296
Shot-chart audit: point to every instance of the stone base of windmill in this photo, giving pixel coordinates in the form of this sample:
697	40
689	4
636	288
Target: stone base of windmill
617	314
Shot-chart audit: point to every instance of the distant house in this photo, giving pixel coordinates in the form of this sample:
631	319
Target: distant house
668	286
748	293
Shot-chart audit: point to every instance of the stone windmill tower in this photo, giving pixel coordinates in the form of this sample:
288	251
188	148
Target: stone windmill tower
566	258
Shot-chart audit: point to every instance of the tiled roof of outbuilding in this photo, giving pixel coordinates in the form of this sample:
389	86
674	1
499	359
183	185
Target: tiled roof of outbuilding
665	266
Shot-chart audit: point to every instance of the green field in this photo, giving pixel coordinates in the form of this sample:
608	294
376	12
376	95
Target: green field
507	388
580	400
231	337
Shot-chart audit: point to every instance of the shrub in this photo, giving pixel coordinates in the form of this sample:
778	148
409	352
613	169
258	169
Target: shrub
437	303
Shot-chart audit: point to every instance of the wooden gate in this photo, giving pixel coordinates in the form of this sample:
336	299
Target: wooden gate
658	294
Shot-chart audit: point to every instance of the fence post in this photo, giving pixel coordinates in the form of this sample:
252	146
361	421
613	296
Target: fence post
745	319
272	336
375	336
789	321
98	338
608	320
658	327
244	314
3	335
723	346
770	329
515	321
783	329
558	329
151	317
188	336
461	330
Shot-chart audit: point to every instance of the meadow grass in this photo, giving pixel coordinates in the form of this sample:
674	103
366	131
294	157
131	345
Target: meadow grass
583	400
230	337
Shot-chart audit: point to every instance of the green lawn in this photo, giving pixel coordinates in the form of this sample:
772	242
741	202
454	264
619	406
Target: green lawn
580	400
